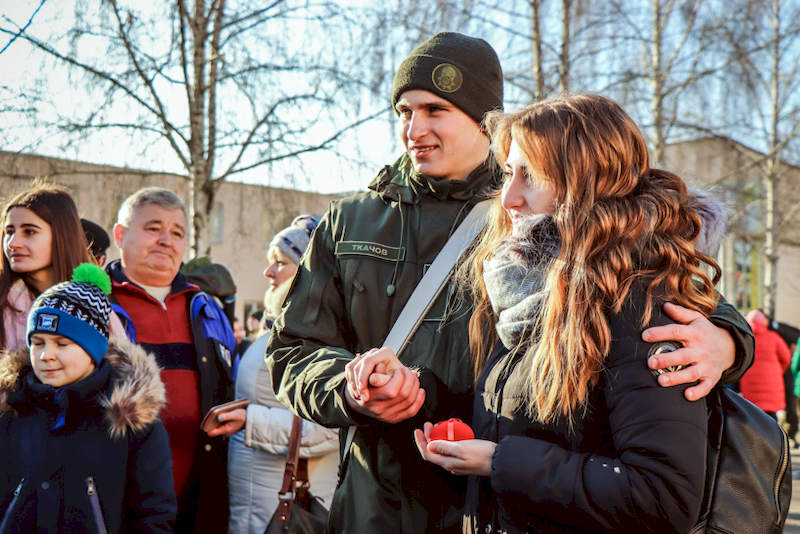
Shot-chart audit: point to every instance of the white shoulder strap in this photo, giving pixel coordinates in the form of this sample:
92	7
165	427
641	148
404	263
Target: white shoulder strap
430	286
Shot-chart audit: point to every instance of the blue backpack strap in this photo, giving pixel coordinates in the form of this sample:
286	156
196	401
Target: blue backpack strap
216	327
125	319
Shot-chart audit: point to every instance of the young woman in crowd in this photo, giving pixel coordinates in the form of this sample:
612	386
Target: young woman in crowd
585	244
257	453
42	242
81	445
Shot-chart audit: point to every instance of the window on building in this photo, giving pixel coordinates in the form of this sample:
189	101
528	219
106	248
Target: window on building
747	287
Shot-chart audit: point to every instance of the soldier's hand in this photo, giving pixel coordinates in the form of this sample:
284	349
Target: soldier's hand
371	369
400	398
706	353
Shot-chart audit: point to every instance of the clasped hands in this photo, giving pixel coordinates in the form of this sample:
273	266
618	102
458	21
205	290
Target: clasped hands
381	387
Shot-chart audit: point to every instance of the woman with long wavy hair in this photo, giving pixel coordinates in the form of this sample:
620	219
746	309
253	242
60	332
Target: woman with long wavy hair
43	241
585	244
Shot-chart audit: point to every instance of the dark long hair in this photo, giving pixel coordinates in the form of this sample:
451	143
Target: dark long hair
53	204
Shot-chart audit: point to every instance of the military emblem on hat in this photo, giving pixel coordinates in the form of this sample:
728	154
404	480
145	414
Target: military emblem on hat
447	78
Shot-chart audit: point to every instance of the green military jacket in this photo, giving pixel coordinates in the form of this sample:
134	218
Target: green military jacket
339	305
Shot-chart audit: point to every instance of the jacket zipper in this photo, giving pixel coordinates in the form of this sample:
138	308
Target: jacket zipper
784	465
94	503
10	509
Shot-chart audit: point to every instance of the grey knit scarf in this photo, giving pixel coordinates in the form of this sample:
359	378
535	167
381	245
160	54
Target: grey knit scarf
515	274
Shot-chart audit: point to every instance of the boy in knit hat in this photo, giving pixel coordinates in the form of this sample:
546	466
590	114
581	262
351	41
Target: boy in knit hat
364	260
82	449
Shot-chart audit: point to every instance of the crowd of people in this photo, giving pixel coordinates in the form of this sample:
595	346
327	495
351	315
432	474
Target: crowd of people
544	341
108	378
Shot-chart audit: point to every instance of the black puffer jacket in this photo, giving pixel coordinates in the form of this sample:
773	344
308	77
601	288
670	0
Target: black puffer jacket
635	461
108	463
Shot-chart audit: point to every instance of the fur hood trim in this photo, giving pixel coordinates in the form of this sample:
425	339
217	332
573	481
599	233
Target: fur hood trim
135	397
715	220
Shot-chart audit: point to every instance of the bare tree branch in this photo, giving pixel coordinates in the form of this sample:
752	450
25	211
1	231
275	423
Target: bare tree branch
318	146
159	110
23	28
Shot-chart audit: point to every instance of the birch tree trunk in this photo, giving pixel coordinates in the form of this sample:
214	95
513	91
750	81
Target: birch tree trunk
564	58
771	168
536	51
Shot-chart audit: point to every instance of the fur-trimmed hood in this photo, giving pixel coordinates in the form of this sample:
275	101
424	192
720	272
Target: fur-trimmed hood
714	217
133	400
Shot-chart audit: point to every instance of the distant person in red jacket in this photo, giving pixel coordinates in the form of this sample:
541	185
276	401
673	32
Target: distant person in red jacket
762	384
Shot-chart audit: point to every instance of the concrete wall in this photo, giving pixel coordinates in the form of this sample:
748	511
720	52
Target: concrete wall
250	214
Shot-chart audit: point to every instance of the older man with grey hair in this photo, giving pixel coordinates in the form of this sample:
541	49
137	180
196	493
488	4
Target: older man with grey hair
191	339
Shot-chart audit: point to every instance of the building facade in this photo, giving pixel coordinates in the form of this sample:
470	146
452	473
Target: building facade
241	225
735	172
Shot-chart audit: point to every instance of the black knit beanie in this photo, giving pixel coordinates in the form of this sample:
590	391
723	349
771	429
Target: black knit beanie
461	69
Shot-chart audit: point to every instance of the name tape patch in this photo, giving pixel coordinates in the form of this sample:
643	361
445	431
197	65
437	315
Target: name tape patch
367	248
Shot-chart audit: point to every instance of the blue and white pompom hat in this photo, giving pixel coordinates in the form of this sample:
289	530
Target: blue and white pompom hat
78	310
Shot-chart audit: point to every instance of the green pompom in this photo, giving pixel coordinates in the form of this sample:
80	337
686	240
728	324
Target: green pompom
92	274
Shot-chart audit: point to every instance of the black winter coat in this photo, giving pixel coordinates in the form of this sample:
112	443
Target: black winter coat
634	462
109	462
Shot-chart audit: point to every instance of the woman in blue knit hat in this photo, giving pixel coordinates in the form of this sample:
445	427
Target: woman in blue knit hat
81	446
257	452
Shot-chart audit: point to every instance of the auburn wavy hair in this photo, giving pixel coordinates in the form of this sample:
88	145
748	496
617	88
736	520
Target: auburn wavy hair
618	220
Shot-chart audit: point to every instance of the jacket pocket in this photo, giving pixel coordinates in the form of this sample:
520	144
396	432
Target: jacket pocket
94	506
8	517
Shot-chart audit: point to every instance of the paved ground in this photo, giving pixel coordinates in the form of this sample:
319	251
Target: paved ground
793	522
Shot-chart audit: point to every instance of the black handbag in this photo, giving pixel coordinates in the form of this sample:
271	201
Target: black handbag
298	511
748	476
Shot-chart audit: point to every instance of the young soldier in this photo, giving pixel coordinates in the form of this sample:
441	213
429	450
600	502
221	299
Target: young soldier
367	256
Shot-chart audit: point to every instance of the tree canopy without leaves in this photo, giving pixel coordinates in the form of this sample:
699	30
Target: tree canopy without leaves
228	87
225	87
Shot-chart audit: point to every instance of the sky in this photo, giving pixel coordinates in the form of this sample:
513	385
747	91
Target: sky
372	145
